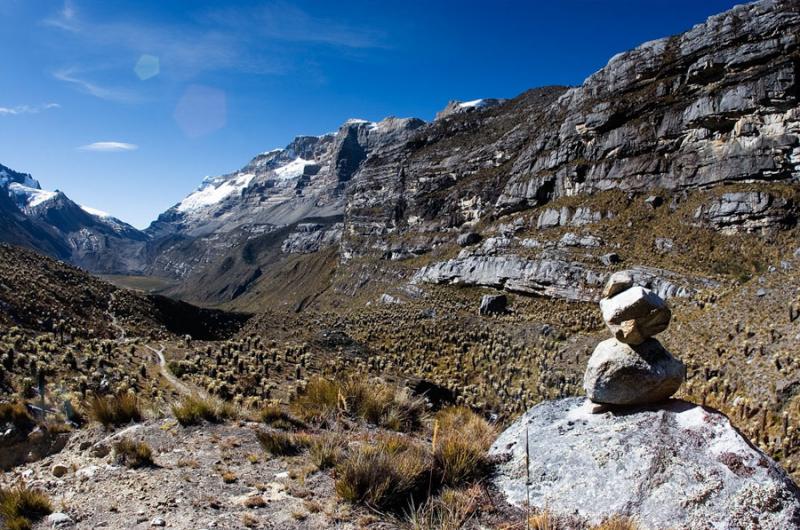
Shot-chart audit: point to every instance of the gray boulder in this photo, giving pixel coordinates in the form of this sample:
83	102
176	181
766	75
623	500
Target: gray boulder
677	466
468	238
622	374
493	304
635	314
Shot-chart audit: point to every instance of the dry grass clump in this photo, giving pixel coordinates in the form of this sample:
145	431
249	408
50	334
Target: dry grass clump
546	520
451	510
327	450
115	410
20	507
387	476
16	414
461	444
274	416
319	401
279	443
194	409
618	522
133	454
372	401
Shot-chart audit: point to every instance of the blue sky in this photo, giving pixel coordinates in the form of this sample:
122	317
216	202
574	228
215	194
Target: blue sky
218	82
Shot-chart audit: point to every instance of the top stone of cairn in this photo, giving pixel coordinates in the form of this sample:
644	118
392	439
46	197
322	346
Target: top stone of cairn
632	313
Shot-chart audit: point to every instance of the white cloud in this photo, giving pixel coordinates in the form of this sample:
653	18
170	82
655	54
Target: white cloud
70	75
109	147
27	109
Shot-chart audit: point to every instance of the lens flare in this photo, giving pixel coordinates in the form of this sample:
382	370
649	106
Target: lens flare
201	110
147	66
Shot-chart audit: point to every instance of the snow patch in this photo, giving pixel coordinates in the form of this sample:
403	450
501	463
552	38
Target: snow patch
30	196
293	169
474	104
214	190
95	212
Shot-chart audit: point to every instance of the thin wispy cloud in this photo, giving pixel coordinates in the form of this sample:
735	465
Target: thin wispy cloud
282	21
249	40
27	109
109	147
73	76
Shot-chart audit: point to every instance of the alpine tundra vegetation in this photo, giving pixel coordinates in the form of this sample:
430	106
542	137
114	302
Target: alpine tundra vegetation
576	308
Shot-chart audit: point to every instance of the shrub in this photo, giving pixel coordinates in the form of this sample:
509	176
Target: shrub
133	454
20	507
278	443
194	409
449	511
116	410
461	445
326	450
387	476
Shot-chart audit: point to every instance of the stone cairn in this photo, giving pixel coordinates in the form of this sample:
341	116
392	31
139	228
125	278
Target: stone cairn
632	368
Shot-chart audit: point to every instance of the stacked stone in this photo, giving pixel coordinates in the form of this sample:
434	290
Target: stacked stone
632	368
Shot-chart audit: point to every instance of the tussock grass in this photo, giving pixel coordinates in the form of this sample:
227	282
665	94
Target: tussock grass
274	416
387	476
133	454
327	450
451	510
194	409
115	410
372	401
618	522
319	401
20	507
461	445
17	415
279	443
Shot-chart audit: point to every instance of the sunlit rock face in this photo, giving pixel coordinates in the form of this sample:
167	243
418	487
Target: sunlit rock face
717	103
676	465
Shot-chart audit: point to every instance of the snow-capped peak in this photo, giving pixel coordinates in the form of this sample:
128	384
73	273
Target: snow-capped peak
214	190
28	196
474	104
359	121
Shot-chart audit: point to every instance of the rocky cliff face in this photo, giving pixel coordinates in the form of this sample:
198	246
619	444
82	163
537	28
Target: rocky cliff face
705	123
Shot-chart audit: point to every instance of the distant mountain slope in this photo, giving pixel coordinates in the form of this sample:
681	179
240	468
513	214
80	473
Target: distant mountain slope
42	294
52	223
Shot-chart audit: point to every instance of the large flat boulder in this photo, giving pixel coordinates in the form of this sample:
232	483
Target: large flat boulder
677	466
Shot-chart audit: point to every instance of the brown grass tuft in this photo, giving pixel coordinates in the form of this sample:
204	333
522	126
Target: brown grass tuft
194	409
116	410
20	507
133	454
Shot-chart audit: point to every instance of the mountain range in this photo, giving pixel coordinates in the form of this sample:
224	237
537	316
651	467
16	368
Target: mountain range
711	109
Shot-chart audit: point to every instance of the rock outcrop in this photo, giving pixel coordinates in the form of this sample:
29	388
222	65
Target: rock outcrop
674	466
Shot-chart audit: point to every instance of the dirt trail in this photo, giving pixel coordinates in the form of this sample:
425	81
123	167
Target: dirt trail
179	386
